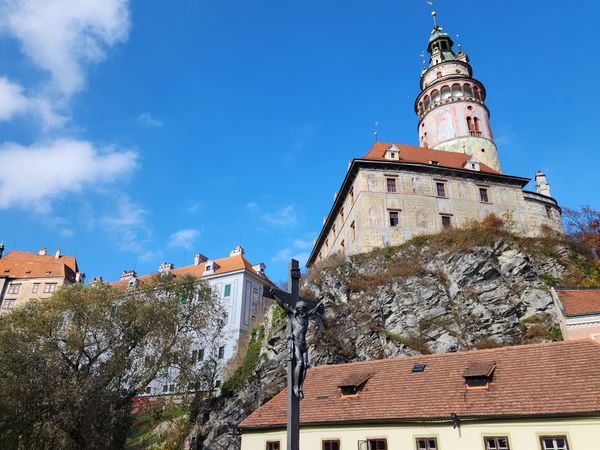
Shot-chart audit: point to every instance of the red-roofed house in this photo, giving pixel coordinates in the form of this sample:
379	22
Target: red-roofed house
396	191
578	312
25	276
531	397
238	283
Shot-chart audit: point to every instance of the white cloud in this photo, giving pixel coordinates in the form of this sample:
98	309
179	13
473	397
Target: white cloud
194	208
286	254
128	225
184	238
34	175
14	102
282	218
303	243
146	120
252	206
62	36
12	99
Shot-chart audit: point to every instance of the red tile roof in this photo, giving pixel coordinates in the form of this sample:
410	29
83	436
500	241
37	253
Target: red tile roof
21	265
223	265
420	155
577	302
531	380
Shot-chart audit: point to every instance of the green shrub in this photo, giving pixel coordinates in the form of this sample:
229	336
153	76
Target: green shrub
249	363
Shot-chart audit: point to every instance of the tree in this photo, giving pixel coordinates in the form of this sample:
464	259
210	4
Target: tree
70	365
584	226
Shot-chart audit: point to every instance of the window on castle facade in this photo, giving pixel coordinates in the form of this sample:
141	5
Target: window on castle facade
483	195
446	221
227	291
549	212
440	187
8	303
273	445
221	352
377	444
342	214
353	230
352	195
49	288
36	288
394	218
343	247
391	184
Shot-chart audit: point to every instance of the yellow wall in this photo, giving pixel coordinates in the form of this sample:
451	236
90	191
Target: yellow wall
25	293
582	434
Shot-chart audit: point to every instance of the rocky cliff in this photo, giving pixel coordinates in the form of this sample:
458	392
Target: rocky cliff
458	290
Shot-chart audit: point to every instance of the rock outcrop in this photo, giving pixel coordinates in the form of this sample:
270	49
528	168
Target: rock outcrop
433	294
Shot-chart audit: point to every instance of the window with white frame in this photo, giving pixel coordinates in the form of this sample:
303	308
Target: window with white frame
36	288
227	290
13	288
554	442
49	288
8	303
496	443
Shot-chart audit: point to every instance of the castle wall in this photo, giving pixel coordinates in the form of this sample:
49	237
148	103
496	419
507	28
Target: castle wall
365	222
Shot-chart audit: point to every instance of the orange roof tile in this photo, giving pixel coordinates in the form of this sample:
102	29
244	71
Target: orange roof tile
577	302
421	155
21	265
224	265
531	380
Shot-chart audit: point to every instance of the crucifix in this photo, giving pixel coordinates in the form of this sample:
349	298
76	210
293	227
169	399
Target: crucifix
299	311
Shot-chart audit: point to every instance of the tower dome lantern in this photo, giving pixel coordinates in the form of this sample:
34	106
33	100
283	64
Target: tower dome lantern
451	105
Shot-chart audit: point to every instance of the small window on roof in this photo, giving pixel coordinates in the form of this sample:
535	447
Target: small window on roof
353	384
418	367
478	374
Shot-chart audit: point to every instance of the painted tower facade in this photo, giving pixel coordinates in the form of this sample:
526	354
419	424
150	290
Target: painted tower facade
451	106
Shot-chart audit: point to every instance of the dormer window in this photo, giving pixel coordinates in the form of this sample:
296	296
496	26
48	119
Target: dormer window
210	267
355	383
434	163
479	375
472	164
392	153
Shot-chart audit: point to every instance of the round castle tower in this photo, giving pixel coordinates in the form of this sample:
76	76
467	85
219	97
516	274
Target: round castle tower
451	106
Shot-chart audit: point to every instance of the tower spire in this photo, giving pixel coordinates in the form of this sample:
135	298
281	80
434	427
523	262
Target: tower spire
434	15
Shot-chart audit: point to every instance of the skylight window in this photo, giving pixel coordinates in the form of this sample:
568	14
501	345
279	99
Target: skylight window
418	367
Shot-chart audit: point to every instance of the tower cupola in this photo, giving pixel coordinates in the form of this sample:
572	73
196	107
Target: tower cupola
451	105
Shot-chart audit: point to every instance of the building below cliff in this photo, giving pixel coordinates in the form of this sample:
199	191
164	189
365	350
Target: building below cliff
519	398
397	191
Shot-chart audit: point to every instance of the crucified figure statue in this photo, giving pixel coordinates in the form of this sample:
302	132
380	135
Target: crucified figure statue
298	318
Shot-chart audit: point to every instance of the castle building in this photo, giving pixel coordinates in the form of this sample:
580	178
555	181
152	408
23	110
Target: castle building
397	191
237	283
25	276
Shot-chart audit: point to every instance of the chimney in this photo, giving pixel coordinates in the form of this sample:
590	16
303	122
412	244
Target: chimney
541	184
57	254
42	251
80	277
259	268
1	249
238	251
165	268
199	258
127	274
96	281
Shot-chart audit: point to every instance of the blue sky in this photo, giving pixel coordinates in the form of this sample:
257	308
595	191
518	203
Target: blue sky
138	132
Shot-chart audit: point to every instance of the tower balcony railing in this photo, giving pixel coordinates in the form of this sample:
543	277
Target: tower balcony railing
450	100
475	133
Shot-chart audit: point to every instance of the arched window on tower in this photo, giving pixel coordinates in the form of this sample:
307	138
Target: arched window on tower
468	91
420	108
470	124
426	102
477	93
446	93
477	125
435	97
424	139
457	90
